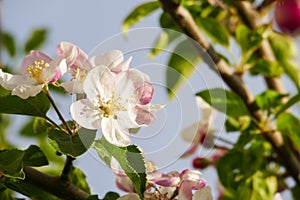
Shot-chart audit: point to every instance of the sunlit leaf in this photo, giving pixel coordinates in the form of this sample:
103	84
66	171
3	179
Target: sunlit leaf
214	30
35	40
181	65
224	101
78	178
295	99
130	159
139	13
8	42
289	125
269	100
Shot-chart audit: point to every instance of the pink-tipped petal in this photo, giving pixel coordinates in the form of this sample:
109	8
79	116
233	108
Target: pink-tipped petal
146	91
111	59
32	57
203	194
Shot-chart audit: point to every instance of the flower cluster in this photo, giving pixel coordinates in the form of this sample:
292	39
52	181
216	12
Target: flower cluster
170	186
117	98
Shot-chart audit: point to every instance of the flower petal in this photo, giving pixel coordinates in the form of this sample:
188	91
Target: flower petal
122	66
110	59
10	81
125	120
99	84
127	84
190	134
73	87
86	114
57	68
26	91
113	133
203	194
145	113
68	51
125	184
33	56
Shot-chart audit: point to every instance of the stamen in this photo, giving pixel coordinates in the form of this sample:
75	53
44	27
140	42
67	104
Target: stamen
35	71
110	106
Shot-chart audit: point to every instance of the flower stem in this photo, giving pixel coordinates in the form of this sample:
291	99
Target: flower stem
58	113
67	168
223	140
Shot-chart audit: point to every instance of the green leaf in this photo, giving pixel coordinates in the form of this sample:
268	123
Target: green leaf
6	194
248	40
72	145
166	37
295	99
33	106
34	156
269	100
258	186
284	47
111	196
295	192
36	127
78	178
266	68
237	124
131	160
181	65
28	190
8	42
35	40
285	50
138	14
224	101
289	125
214	30
292	69
11	163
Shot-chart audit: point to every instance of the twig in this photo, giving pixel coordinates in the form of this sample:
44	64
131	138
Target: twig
67	168
63	189
58	113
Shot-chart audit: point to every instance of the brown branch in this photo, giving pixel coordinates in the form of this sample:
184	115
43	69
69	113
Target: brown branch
252	19
67	168
61	188
185	21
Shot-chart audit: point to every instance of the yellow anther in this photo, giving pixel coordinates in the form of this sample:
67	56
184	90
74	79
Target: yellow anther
110	106
35	71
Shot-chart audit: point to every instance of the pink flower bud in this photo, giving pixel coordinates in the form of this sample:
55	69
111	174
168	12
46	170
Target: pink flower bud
287	16
146	91
201	163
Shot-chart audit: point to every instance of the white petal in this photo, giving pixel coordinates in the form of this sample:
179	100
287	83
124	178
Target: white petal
86	114
203	194
57	65
122	66
9	81
68	51
130	196
128	83
206	109
109	59
145	114
113	132
126	121
190	133
116	167
26	91
99	83
73	87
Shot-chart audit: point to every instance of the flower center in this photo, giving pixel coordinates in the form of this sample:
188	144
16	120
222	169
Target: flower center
35	70
110	106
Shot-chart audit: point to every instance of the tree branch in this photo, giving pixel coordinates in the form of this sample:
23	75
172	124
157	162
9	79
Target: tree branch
57	186
185	21
252	19
67	168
